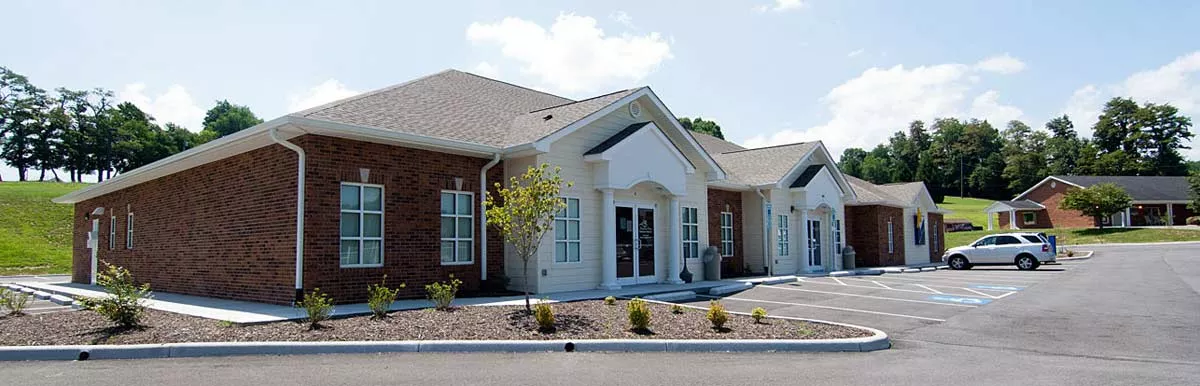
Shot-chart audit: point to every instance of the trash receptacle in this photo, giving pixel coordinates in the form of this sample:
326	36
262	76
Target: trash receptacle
848	258
712	264
1053	243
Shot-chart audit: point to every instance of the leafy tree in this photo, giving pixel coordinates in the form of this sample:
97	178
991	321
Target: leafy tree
21	121
1118	127
700	125
524	211
1194	191
1163	134
226	118
879	166
851	161
1097	201
1024	156
1063	147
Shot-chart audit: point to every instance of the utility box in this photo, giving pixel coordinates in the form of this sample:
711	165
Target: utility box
712	264
848	257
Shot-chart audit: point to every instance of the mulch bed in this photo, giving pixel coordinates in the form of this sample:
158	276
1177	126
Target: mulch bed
575	320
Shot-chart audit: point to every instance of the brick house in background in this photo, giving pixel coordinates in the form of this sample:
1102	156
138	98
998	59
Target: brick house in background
391	182
1157	200
894	224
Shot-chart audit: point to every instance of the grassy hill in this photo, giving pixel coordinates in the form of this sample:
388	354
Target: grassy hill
970	209
35	234
1076	236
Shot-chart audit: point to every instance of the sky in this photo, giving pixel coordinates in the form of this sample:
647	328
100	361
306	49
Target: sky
848	73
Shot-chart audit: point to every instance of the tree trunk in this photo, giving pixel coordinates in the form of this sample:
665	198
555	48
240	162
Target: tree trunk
42	177
72	175
55	173
528	309
21	174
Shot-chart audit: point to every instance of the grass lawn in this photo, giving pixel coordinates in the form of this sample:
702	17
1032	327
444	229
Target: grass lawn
35	234
1074	236
970	209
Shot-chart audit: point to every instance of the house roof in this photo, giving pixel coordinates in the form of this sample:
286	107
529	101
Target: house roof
807	176
900	194
1141	188
616	138
1004	206
762	166
714	145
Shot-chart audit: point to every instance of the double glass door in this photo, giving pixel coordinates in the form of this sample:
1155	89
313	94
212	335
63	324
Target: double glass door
814	245
635	244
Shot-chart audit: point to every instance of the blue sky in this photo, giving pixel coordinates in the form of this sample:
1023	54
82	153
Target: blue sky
769	71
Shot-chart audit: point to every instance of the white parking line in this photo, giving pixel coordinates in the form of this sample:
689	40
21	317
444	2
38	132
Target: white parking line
837	280
871	297
984	275
915	284
808	280
930	289
981	293
975	281
881	284
828	308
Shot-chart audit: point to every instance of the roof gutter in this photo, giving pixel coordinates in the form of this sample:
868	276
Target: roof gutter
299	210
483	249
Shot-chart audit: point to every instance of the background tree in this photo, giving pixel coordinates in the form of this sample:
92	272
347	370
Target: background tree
700	125
1024	156
1163	134
226	118
1097	201
851	161
1063	147
21	121
879	166
524	211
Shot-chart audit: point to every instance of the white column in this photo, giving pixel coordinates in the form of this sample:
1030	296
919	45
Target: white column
991	219
673	256
804	233
1012	219
1128	217
1170	215
608	248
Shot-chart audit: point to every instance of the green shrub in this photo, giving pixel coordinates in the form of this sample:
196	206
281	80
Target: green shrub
1194	220
443	293
380	298
125	303
758	313
544	315
717	314
14	301
317	306
676	309
639	314
225	324
610	300
1070	253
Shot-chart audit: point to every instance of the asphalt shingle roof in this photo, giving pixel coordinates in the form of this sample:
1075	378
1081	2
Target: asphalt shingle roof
714	145
464	107
1141	188
762	166
900	194
1021	204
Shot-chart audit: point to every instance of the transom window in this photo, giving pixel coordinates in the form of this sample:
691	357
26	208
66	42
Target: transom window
112	232
891	237
726	234
566	232
691	235
457	233
129	231
361	225
837	237
784	236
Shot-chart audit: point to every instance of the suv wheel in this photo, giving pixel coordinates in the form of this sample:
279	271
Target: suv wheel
959	262
1027	263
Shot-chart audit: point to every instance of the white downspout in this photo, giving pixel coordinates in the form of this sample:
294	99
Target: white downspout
299	210
766	234
483	216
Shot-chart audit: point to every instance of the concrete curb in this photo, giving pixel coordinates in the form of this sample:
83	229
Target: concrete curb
780	280
672	296
728	289
1077	257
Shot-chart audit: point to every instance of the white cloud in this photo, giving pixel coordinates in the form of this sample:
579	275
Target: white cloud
854	53
866	110
328	91
1001	64
1083	107
174	105
574	55
486	69
781	6
623	18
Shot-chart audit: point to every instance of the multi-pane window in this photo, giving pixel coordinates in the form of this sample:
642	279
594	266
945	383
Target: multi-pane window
129	231
566	232
837	236
112	232
361	225
457	218
1031	218
784	236
933	235
691	233
891	237
726	234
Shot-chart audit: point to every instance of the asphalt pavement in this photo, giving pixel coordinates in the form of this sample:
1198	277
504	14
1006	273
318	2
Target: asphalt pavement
1129	315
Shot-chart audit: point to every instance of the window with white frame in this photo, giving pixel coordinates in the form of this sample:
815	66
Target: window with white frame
1031	218
726	234
784	236
129	231
691	233
361	225
457	236
112	232
933	235
837	236
891	237
566	232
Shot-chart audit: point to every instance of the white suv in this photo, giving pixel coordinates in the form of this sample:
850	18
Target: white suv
1026	250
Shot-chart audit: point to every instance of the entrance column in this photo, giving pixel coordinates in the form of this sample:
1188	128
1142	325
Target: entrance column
675	225
1170	215
1128	217
608	246
1012	219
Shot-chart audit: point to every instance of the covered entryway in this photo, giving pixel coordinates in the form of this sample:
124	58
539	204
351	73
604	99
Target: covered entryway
1010	209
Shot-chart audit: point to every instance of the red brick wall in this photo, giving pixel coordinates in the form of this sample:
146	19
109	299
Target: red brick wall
726	201
1041	220
227	229
938	231
866	231
1050	197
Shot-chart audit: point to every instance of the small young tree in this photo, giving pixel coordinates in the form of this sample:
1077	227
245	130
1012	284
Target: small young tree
1097	200
524	211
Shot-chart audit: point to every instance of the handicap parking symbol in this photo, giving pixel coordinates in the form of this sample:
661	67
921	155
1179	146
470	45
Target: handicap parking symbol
959	299
996	287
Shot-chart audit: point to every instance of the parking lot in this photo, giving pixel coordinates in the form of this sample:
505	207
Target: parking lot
891	302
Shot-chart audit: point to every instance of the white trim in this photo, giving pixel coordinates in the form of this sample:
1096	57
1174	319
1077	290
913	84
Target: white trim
129	230
362	213
330	128
606	155
891	234
683	226
112	232
1008	208
483	240
567	241
783	239
721	229
1048	178
455	240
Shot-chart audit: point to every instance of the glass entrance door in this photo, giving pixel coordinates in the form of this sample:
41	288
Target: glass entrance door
814	241
635	244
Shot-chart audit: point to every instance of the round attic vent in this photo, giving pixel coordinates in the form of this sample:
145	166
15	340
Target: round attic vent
635	109
1053	184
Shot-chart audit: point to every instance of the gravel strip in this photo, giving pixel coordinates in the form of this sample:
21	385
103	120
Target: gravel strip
575	320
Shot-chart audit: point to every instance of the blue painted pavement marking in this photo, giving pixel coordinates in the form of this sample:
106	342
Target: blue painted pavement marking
959	299
996	287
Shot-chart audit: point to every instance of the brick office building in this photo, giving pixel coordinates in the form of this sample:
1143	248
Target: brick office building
1157	201
894	224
